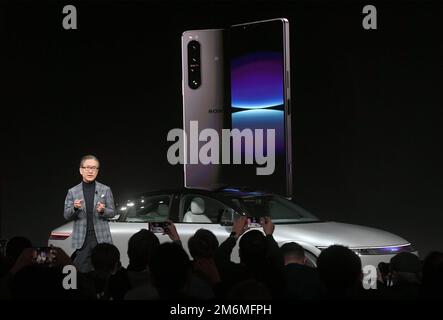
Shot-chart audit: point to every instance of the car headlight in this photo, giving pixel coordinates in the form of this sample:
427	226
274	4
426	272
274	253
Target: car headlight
384	250
381	250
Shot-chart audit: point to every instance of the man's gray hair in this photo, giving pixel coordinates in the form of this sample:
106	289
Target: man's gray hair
88	157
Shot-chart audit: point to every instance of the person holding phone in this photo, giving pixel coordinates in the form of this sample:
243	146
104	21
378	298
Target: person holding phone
260	257
90	204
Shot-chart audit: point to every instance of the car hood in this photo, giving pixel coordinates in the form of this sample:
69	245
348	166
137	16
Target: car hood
324	234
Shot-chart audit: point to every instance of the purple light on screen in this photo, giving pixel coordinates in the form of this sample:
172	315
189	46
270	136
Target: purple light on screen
257	80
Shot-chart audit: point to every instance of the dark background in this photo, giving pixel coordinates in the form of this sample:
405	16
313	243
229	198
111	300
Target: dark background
366	106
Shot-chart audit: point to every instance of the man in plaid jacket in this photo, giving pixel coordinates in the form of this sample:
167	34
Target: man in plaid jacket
89	204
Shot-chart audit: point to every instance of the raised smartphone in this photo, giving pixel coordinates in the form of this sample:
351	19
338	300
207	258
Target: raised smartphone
204	102
254	222
43	256
261	99
158	227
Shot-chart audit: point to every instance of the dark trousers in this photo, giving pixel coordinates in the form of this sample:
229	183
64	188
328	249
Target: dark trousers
82	260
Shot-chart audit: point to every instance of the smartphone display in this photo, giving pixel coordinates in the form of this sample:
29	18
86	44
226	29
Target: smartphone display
158	227
204	102
43	256
260	97
254	222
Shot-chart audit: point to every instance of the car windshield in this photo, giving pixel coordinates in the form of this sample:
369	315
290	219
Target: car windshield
278	208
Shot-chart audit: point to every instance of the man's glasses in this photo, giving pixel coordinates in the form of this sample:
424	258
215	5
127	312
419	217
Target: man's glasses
90	168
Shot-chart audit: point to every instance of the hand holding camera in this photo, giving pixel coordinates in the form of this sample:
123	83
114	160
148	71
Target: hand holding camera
60	257
165	227
43	256
254	222
25	259
268	226
171	231
240	225
157	227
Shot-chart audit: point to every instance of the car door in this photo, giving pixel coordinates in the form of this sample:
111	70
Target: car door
203	212
136	215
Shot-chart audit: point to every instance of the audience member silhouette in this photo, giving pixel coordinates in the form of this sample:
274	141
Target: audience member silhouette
109	278
249	290
302	282
205	279
14	248
432	284
260	258
164	271
36	282
141	246
340	270
170	270
405	268
41	281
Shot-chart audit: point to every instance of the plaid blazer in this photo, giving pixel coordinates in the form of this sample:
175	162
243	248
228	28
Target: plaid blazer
101	225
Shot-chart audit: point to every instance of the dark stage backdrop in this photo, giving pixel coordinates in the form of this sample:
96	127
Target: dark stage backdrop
366	113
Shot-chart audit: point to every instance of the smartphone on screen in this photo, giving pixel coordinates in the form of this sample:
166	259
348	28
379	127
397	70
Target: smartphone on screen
260	98
205	99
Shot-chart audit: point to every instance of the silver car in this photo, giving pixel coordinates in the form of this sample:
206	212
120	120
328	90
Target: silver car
192	209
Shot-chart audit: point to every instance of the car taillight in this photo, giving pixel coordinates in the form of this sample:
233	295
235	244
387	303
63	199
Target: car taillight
59	235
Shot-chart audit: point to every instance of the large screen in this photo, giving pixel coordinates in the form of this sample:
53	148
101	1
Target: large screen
257	71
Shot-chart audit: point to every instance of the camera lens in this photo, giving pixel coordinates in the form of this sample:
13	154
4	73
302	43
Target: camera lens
194	74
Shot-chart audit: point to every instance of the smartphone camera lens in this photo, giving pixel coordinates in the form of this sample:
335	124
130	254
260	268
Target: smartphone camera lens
194	72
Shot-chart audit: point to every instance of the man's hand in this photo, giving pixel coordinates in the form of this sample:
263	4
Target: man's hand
78	204
101	207
25	259
60	257
171	231
268	226
239	226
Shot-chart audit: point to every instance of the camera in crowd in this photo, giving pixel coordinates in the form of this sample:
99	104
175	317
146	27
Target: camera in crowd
159	227
254	222
43	256
405	263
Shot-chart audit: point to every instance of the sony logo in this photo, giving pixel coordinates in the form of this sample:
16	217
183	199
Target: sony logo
215	110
